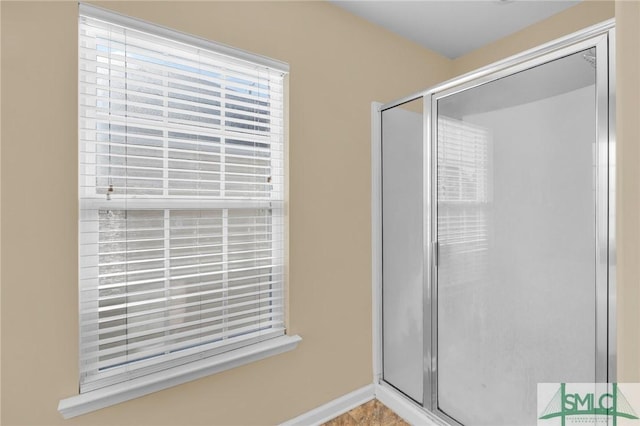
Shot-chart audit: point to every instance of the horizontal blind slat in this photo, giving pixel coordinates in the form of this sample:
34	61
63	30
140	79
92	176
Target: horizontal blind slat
165	295
143	281
155	326
145	348
254	289
150	125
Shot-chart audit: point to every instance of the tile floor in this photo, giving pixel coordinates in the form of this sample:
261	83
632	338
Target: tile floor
372	413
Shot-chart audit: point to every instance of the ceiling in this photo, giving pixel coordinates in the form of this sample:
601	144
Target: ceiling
454	27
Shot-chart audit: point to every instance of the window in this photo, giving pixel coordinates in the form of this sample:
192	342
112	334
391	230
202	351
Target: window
181	186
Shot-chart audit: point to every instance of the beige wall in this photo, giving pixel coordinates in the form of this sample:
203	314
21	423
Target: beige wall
628	187
339	65
570	20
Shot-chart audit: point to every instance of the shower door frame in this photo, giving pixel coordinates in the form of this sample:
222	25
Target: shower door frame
600	36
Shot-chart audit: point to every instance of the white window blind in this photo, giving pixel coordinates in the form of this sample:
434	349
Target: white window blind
181	180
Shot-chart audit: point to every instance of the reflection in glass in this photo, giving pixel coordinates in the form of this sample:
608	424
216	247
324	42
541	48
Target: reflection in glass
463	199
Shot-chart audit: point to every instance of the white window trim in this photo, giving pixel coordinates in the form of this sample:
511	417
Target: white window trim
115	394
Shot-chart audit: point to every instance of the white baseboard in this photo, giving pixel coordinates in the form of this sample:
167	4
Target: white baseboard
334	408
398	403
402	406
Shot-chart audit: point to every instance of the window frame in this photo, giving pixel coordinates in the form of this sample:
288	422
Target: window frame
110	394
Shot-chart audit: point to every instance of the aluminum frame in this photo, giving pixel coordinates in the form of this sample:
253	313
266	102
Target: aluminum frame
601	37
612	338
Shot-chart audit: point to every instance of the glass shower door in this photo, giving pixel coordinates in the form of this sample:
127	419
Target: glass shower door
402	244
516	224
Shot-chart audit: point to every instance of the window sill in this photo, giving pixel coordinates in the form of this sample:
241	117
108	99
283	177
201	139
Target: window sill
111	395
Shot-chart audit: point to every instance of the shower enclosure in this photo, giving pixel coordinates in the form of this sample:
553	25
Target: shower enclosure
494	245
